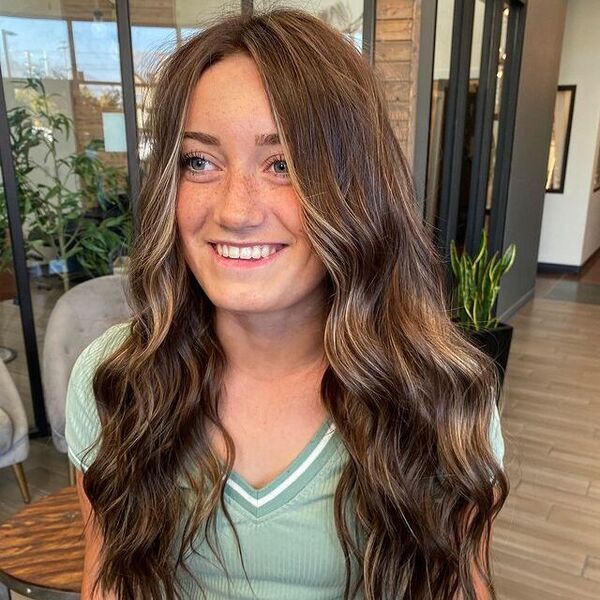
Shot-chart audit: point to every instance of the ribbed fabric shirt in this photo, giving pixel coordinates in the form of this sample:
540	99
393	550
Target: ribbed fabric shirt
286	528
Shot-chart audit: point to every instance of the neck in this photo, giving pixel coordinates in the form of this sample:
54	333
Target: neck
274	346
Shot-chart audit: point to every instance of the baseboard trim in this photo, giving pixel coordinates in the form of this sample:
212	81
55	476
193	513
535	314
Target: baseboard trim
577	270
556	268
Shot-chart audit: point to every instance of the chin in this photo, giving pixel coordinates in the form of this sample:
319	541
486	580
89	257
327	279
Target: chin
241	303
243	308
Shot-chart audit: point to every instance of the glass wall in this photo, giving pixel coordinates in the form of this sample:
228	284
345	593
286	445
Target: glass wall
475	78
502	56
439	93
440	83
469	143
62	83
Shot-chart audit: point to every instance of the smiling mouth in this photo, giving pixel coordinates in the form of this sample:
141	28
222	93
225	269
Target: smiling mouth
246	257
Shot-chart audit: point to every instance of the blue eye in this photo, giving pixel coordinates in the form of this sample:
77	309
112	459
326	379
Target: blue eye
193	162
280	161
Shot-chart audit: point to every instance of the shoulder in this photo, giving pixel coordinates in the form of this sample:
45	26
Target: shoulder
82	423
96	351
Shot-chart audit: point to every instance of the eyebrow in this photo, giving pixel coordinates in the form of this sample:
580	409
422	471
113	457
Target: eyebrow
263	139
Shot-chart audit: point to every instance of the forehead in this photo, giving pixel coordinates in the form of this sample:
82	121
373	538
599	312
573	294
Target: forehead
230	93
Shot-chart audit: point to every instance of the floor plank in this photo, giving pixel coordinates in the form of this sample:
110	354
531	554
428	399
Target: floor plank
547	537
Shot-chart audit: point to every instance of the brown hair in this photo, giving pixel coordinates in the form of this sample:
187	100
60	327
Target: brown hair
412	399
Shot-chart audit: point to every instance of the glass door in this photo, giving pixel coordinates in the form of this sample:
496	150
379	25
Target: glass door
475	81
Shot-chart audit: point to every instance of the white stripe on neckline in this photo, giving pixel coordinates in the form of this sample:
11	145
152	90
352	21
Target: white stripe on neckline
258	502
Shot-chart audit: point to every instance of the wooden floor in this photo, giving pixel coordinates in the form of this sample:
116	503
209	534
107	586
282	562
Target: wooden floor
547	538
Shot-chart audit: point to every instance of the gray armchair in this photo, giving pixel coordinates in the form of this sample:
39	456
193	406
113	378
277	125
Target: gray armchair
80	316
14	430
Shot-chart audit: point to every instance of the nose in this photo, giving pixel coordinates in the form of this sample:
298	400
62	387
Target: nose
239	206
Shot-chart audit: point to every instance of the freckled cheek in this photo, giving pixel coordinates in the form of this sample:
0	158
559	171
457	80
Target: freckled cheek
190	213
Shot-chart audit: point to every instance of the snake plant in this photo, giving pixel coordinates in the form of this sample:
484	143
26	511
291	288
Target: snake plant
477	283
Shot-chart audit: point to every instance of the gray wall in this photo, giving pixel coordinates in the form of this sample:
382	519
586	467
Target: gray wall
533	126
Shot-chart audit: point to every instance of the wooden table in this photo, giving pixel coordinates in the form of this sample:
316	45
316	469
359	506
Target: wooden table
41	548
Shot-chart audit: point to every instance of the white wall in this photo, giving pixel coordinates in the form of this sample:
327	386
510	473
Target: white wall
571	221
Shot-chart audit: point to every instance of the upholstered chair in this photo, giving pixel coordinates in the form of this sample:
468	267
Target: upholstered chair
14	430
81	315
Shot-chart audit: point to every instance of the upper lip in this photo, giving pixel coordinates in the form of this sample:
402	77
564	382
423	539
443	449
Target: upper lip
243	244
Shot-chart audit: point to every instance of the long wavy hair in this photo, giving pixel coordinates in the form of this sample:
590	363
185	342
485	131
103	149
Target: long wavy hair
411	397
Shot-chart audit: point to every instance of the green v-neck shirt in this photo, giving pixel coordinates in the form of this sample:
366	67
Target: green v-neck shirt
286	528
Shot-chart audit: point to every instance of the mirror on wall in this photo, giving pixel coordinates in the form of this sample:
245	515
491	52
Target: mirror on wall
559	143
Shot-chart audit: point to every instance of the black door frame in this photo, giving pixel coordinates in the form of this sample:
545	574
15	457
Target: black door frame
9	180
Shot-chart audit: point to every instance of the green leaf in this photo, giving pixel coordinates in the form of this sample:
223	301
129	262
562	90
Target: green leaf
454	259
477	282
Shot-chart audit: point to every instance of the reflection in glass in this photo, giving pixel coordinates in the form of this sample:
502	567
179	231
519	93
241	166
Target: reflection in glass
34	47
150	43
97	51
559	143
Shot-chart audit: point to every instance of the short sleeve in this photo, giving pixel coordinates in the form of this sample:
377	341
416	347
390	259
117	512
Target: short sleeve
82	422
496	438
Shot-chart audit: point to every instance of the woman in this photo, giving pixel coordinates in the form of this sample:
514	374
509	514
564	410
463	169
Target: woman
290	413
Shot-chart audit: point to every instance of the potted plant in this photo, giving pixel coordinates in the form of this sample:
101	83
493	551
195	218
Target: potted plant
106	230
477	285
75	215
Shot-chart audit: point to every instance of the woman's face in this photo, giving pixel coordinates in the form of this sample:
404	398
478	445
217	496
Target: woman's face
234	191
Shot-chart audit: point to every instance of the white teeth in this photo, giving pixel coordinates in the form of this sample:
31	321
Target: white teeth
247	252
